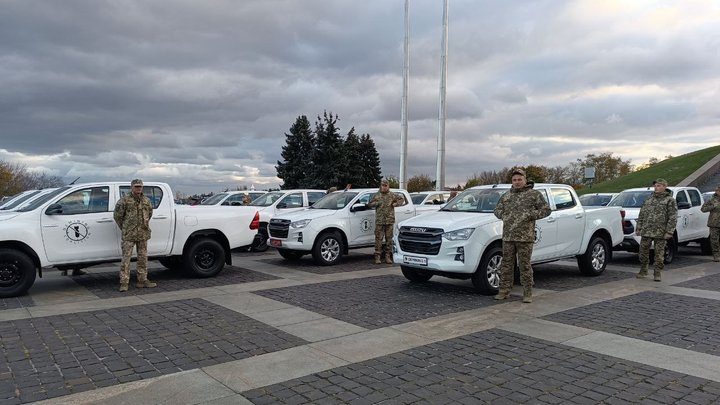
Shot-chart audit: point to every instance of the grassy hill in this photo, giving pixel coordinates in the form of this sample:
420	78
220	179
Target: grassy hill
673	170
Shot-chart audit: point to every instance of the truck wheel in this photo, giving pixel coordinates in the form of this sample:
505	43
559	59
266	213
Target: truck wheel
171	262
670	251
595	258
487	276
416	275
290	254
259	243
17	273
328	249
705	246
204	258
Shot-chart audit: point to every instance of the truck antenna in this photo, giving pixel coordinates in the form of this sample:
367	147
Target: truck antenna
73	182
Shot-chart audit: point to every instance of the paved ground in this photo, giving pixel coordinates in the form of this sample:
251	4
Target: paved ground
267	331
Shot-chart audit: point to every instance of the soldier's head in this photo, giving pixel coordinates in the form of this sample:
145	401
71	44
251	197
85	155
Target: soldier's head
384	186
518	178
137	186
660	185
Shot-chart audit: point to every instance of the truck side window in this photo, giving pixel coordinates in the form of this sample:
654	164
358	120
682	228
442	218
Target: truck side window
85	201
563	198
695	198
314	196
154	193
681	197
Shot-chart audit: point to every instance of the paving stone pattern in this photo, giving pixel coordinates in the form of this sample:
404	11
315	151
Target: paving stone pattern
376	302
59	355
105	285
492	367
16	302
556	277
686	256
686	322
351	262
710	283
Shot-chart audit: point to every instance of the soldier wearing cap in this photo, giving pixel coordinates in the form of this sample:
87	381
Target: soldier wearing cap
713	207
519	208
656	225
384	202
132	214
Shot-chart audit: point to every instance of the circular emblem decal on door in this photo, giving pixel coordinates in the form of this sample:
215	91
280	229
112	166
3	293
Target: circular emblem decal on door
538	234
365	225
76	231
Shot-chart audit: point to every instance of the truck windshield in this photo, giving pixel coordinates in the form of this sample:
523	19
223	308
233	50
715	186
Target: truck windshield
335	201
417	198
267	199
475	200
16	202
630	199
42	199
214	200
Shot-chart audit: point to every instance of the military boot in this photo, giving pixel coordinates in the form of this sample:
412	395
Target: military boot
656	275
145	284
527	294
377	258
716	258
388	258
123	287
643	272
502	294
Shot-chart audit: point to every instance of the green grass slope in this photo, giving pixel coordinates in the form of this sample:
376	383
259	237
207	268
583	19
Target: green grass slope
674	170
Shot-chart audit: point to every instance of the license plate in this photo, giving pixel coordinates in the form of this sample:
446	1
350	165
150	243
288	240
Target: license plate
275	242
421	261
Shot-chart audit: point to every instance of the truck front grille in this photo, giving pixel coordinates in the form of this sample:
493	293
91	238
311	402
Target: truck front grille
279	228
421	240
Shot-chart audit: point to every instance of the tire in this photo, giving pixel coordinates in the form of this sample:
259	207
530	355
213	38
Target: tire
416	275
486	278
204	258
291	255
259	243
705	246
328	249
17	273
595	258
670	251
172	262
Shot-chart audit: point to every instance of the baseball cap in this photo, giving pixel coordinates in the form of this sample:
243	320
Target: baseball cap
518	171
660	181
136	182
384	182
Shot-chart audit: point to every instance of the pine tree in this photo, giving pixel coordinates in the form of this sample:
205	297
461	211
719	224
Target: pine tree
297	154
352	156
328	158
368	163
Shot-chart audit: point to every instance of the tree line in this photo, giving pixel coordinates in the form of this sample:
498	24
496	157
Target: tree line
15	177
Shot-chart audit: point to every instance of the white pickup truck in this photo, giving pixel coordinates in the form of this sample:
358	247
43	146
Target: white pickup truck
73	227
337	222
691	223
464	239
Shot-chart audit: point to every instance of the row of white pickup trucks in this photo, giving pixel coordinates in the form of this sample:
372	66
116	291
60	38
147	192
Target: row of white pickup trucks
72	227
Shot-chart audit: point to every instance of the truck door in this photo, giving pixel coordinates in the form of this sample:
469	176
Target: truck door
698	219
545	234
569	220
161	224
684	221
405	211
362	223
79	227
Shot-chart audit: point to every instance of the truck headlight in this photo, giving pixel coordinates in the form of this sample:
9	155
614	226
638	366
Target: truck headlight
300	224
460	234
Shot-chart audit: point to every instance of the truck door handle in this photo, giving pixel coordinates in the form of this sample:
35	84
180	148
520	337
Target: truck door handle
551	219
578	215
161	217
104	220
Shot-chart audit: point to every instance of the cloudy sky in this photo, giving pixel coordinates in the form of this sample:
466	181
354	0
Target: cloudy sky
200	93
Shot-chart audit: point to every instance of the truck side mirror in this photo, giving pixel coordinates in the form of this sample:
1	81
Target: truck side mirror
54	209
281	205
684	205
358	207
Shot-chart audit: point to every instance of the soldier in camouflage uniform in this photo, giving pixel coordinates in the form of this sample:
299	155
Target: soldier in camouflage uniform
384	203
519	208
132	214
713	207
656	224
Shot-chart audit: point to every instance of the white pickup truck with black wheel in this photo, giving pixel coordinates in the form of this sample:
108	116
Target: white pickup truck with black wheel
73	227
463	240
329	228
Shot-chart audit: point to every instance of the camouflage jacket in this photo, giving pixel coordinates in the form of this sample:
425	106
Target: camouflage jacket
658	215
132	214
384	204
713	207
519	208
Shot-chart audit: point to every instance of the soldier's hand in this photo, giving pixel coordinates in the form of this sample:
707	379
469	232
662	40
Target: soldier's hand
637	232
668	236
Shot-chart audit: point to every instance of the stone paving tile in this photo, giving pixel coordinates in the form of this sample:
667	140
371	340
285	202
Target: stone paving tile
557	277
351	262
686	322
53	356
686	256
492	367
710	283
105	285
376	302
16	302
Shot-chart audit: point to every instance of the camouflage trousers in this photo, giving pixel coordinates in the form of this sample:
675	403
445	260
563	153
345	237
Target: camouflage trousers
383	238
127	250
715	242
644	253
512	251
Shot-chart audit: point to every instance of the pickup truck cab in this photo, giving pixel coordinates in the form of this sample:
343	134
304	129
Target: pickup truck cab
339	221
691	223
464	239
231	197
278	203
73	227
